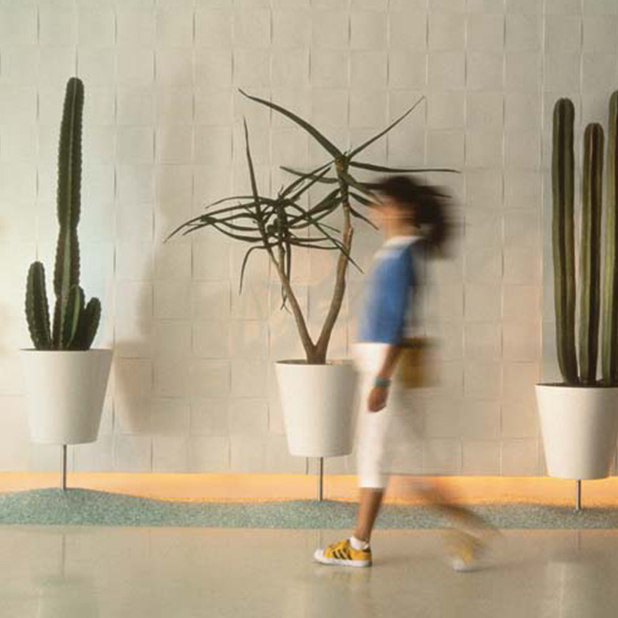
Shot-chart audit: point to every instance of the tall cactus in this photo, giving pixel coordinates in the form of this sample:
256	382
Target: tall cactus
563	237
598	299
74	324
610	291
590	294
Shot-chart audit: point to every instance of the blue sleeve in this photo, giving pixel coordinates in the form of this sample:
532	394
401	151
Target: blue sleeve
395	287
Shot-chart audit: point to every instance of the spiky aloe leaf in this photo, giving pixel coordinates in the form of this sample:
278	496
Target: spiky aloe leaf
401	170
610	291
37	307
377	136
563	237
321	139
323	180
88	325
590	293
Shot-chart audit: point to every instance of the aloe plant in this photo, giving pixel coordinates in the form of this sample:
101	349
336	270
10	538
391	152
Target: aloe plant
75	323
582	368
279	224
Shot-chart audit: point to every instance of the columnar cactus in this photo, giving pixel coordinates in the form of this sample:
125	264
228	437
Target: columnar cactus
592	293
75	324
563	237
610	291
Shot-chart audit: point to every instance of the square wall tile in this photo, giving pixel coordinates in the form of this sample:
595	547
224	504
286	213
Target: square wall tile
523	33
213	28
209	417
368	69
485	32
442	456
446	71
482	380
523	72
247	454
135	27
132	453
328	29
520	457
600	34
169	454
484	111
484	71
445	111
252	28
291	28
563	33
248	417
483	341
213	68
208	454
481	457
562	72
408	30
447	32
520	419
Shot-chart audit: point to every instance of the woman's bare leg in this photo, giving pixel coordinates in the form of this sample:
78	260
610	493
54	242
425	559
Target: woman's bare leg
441	500
368	509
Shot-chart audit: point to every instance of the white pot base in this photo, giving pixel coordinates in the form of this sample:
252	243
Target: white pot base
65	392
318	407
579	426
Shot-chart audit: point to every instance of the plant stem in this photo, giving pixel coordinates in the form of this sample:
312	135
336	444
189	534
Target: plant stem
340	280
303	331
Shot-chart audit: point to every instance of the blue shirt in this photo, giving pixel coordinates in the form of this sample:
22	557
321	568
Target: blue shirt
387	297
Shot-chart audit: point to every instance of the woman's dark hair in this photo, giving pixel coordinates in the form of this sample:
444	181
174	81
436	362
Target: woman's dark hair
427	205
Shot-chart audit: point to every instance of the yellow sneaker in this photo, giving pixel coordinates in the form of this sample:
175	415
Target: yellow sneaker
343	554
465	550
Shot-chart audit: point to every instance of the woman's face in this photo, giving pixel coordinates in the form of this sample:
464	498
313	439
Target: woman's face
387	213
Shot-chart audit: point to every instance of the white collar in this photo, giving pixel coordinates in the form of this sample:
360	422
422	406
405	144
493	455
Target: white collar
400	240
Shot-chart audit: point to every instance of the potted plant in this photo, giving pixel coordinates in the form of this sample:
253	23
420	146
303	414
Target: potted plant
316	393
579	417
65	380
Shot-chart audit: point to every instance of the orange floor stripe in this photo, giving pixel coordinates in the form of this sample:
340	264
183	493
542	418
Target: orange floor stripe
263	487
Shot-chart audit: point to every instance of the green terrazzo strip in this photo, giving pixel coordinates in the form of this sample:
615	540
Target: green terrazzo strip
84	507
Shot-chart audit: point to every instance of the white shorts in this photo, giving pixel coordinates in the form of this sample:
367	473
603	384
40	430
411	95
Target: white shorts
372	426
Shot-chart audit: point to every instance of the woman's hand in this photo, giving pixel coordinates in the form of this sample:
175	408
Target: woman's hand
377	398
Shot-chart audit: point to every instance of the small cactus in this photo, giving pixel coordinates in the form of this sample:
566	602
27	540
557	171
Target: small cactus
74	324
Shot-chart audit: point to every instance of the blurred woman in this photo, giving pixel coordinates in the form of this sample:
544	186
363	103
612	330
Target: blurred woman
413	221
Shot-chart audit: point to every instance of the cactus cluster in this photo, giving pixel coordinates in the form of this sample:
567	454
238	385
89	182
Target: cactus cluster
598	292
75	323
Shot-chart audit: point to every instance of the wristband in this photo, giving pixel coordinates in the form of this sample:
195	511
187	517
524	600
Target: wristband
381	382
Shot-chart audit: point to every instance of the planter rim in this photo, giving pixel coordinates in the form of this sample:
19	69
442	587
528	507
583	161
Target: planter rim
67	351
304	363
577	387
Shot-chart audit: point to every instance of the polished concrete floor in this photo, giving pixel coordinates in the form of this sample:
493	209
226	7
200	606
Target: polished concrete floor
176	573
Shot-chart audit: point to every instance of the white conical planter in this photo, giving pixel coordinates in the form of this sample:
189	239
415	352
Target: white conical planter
318	407
65	392
579	426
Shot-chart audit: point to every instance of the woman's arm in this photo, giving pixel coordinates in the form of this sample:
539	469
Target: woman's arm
379	393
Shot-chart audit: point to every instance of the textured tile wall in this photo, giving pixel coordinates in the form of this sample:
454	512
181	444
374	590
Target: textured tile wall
192	386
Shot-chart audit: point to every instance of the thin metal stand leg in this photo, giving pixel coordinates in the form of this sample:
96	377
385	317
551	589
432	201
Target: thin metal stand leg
321	480
578	495
64	467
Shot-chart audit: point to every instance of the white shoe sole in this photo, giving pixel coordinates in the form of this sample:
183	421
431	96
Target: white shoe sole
322	559
459	565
